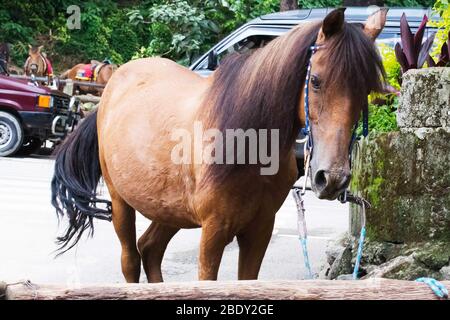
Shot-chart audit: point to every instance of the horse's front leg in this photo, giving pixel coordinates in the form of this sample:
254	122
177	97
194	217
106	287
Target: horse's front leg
215	236
253	242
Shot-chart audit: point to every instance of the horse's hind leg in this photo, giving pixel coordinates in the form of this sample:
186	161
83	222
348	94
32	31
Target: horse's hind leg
124	217
253	242
152	245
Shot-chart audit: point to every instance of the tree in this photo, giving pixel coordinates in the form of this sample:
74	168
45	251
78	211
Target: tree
363	3
287	5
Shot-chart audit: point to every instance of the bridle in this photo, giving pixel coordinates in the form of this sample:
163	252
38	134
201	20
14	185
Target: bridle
346	196
29	66
309	142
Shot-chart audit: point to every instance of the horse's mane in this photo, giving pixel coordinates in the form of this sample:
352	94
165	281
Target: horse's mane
262	90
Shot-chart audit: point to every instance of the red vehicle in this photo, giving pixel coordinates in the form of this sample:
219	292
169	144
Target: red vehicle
31	114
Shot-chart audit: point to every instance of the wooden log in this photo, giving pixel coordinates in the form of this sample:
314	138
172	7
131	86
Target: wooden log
370	289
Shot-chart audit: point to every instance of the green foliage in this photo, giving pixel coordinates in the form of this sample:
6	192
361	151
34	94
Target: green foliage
382	118
391	65
408	3
319	3
177	29
442	9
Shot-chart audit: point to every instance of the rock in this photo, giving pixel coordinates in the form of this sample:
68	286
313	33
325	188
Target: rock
323	273
425	98
345	277
335	247
407	181
89	106
445	273
332	252
376	253
421	133
342	264
433	255
405	176
402	268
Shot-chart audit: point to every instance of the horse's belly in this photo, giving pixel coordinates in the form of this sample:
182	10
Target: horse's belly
173	214
150	183
136	150
136	119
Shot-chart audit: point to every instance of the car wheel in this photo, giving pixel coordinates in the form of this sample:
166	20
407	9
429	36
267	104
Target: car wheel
11	134
30	146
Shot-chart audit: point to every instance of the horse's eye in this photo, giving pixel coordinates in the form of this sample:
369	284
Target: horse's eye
315	82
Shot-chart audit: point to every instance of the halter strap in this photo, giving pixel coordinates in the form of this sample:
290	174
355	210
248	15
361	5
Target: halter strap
307	129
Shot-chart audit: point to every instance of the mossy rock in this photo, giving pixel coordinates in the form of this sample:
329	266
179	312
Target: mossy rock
401	268
433	255
406	179
376	253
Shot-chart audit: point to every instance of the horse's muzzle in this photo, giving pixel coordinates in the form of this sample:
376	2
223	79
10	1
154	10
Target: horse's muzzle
330	184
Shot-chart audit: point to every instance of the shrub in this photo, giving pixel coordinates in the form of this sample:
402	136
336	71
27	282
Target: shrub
412	53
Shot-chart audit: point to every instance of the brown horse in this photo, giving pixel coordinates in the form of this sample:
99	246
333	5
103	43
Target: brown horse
4	58
101	72
130	141
37	63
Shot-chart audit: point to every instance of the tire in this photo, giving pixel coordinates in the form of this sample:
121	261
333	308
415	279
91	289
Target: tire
11	134
30	146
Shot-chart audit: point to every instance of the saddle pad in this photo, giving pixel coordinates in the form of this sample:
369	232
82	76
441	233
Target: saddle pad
84	73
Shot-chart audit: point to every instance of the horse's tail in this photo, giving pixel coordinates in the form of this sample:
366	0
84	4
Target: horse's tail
74	183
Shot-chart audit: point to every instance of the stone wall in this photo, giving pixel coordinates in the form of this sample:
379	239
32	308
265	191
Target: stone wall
405	175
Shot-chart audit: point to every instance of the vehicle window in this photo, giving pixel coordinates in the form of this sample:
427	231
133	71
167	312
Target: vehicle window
246	45
244	40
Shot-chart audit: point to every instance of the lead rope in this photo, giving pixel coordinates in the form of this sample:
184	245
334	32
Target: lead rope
347	197
301	228
437	287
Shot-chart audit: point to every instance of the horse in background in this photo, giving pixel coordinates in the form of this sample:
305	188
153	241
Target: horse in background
37	63
5	56
94	72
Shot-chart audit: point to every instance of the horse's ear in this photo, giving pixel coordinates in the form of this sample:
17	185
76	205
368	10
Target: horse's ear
29	46
40	48
375	23
332	24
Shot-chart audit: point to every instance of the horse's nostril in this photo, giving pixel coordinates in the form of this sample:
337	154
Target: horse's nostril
345	181
320	179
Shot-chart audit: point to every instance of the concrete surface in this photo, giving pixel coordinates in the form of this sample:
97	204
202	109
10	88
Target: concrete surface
28	227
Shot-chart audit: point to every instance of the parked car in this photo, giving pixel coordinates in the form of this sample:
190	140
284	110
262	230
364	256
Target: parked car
258	32
31	114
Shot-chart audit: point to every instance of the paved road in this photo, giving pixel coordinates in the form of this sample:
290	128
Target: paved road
28	227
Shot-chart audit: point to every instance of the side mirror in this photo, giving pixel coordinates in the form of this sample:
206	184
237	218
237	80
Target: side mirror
213	60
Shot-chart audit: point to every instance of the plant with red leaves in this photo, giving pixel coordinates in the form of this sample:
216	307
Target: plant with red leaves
412	53
444	56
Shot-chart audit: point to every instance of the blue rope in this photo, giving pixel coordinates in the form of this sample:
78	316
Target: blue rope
303	241
438	288
301	228
307	132
362	236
